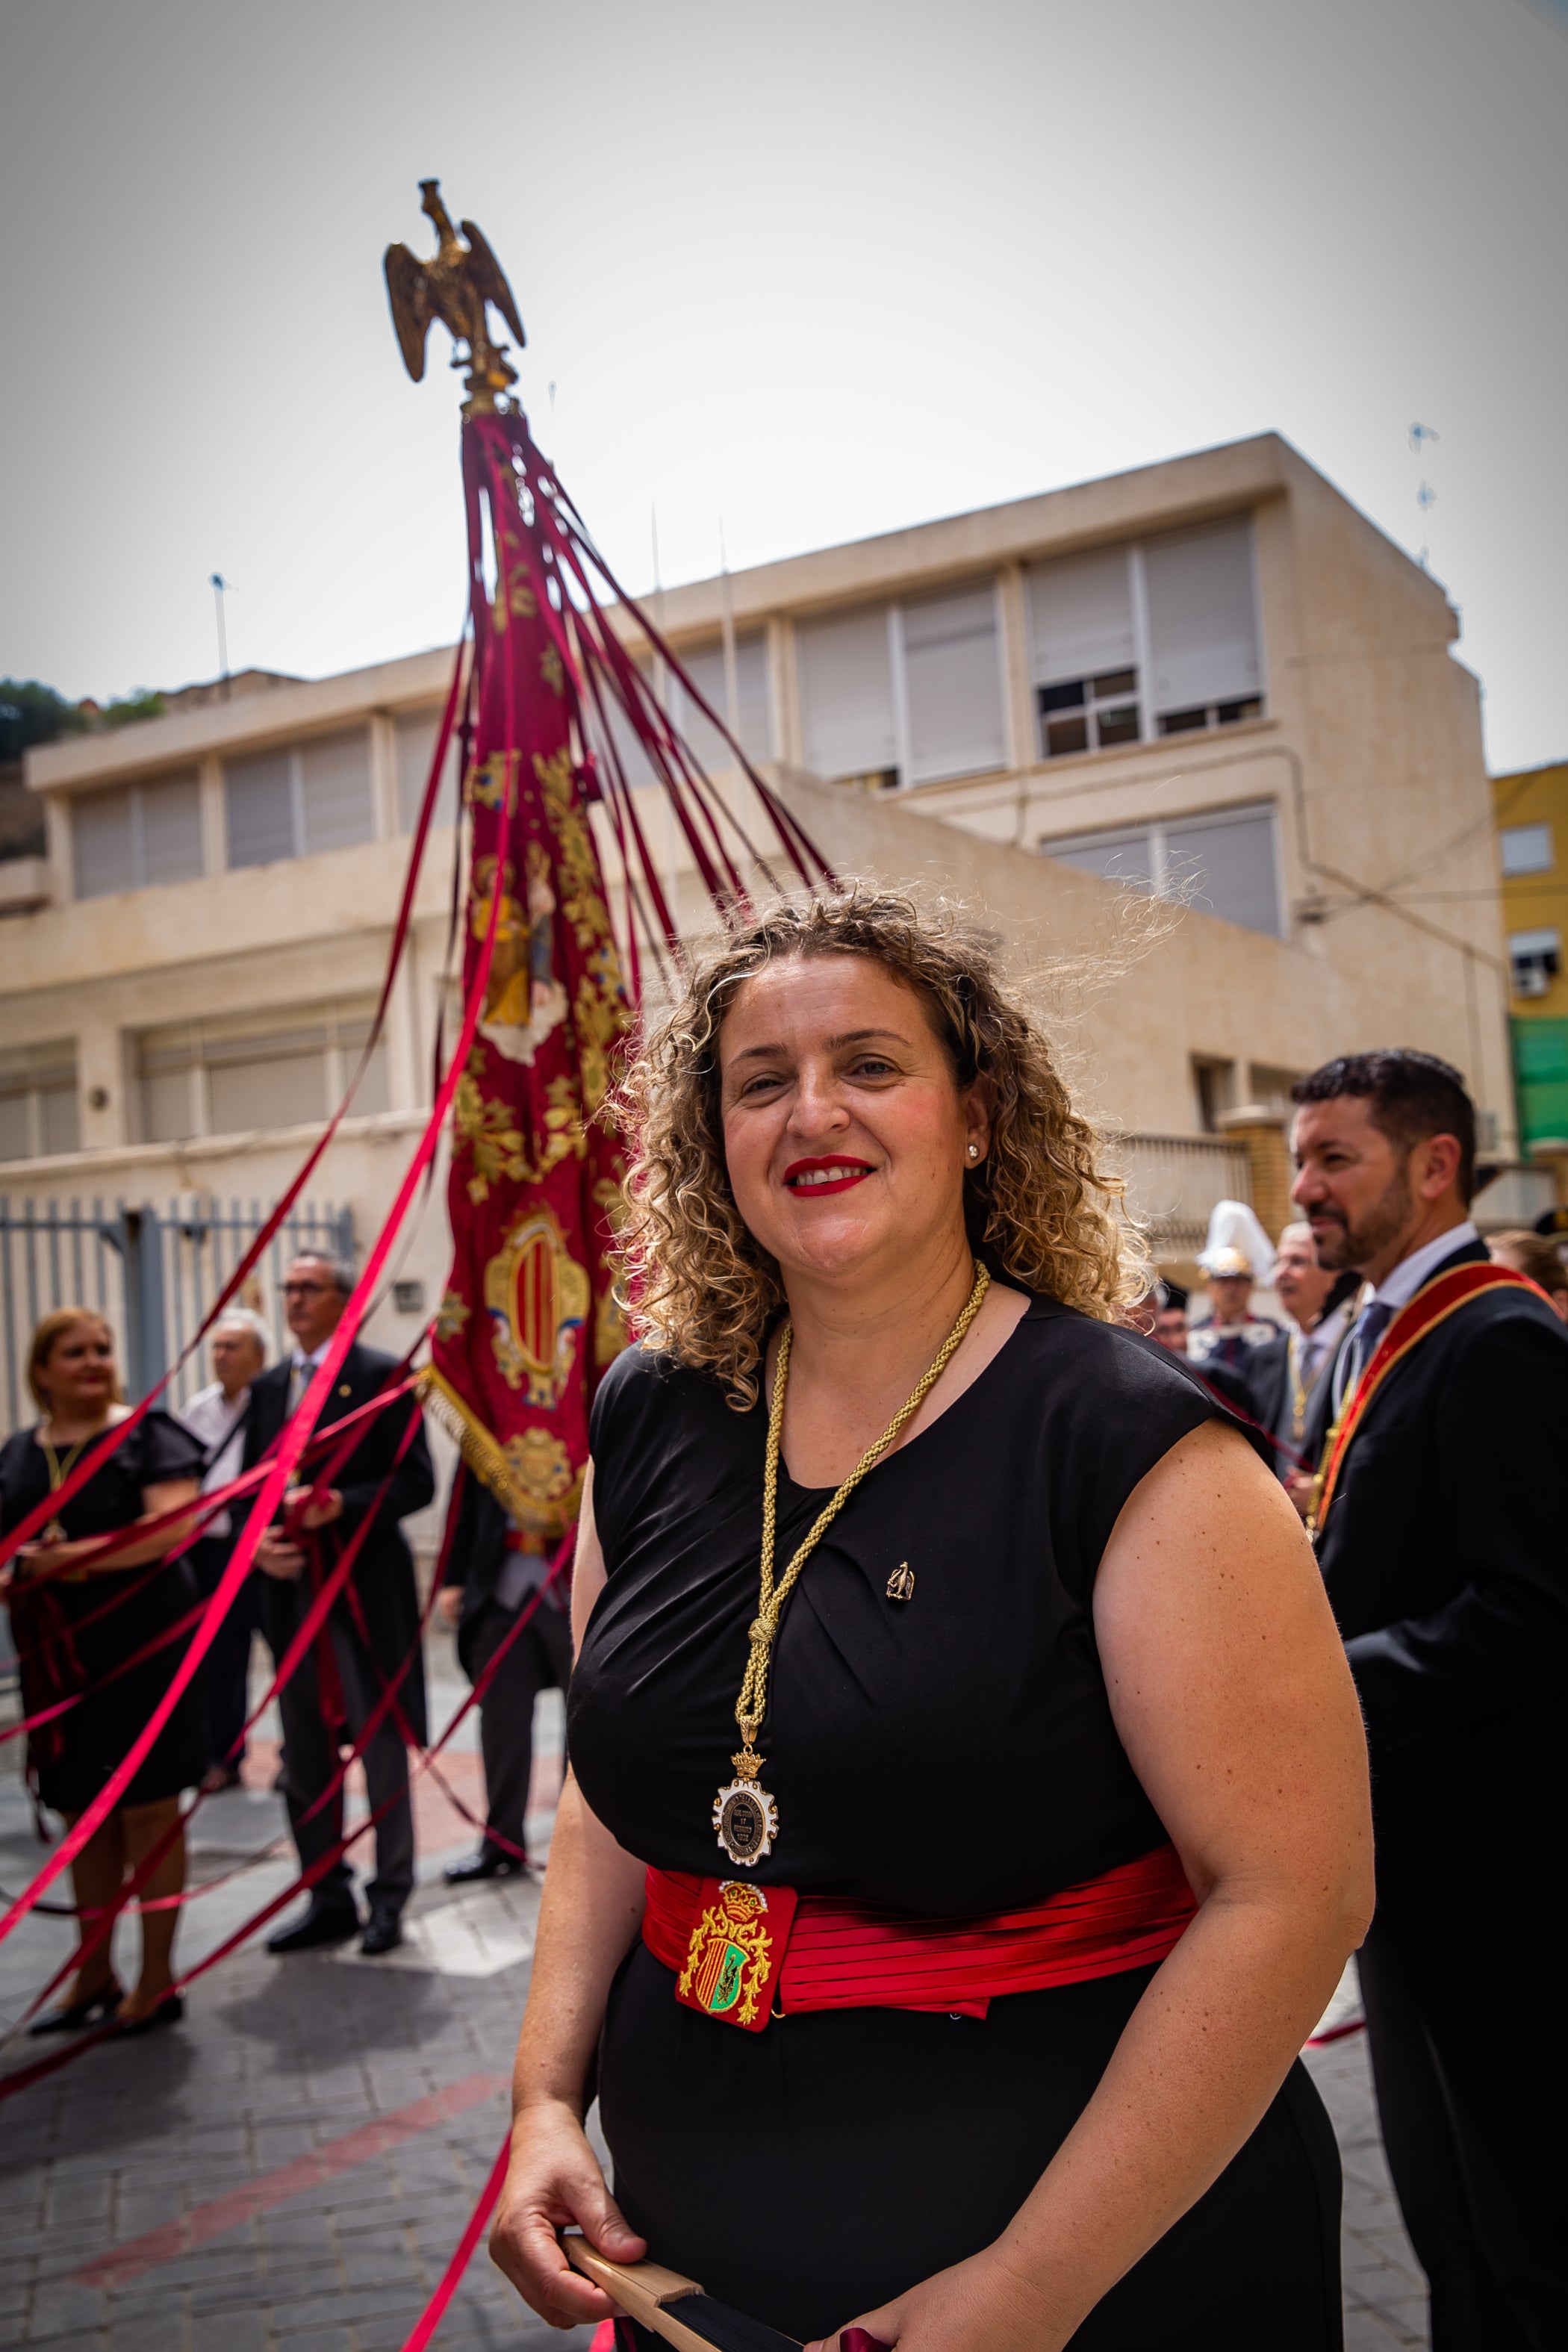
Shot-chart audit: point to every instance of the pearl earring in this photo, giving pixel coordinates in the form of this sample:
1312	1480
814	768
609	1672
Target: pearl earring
975	1152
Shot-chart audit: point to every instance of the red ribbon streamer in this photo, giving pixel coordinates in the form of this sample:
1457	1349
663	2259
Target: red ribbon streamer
434	2311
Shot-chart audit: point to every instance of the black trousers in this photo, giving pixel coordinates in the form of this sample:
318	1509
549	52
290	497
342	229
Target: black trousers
1497	2270
226	1669
310	1758
540	1659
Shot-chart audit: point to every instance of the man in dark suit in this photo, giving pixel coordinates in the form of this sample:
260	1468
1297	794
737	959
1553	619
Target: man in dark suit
1289	1378
315	1292
492	1574
1442	1549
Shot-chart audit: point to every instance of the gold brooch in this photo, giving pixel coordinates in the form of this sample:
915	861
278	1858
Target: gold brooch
901	1583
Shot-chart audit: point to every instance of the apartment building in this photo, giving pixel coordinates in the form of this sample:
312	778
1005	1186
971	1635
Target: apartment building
1532	854
1211	682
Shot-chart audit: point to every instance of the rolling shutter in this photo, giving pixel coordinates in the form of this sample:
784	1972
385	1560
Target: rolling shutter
846	695
1080	613
103	844
334	775
171	829
414	737
1224	865
1203	623
259	801
953	677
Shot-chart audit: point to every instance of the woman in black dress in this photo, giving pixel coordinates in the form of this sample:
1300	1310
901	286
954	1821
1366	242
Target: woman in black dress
76	1618
1059	1654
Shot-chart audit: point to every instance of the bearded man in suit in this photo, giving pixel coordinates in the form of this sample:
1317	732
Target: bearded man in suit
373	1625
1439	1532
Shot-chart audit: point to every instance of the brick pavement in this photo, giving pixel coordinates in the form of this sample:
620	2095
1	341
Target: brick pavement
228	2163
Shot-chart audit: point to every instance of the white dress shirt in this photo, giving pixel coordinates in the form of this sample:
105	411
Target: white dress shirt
1401	1287
218	1420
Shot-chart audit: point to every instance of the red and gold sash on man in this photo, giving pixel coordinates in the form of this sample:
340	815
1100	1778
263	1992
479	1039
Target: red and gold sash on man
1433	1304
743	1953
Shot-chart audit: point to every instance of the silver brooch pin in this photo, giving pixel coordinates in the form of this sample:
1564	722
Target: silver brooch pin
901	1583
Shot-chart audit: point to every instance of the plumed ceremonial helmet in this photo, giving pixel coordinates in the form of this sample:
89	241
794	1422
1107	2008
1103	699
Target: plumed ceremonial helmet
1237	1244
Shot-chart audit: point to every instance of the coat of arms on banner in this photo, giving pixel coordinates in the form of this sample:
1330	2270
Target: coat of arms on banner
733	1959
537	1296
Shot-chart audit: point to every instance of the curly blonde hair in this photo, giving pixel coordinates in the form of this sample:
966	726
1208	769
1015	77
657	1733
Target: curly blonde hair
1039	1208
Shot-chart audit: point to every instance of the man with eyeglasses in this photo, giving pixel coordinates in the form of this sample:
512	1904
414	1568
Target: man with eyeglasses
372	1627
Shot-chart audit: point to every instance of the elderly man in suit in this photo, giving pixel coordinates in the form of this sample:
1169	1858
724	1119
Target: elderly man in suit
1439	1532
342	1675
217	1415
1289	1378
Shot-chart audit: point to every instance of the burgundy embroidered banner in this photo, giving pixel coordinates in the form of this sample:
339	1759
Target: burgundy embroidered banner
528	1321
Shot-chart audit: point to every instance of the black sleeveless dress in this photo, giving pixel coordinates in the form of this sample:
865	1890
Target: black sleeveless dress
951	1753
74	1636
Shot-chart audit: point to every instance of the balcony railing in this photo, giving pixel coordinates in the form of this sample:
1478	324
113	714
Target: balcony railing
1174	1182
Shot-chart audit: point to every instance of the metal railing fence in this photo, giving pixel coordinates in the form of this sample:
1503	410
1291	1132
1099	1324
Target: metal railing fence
151	1270
1174	1180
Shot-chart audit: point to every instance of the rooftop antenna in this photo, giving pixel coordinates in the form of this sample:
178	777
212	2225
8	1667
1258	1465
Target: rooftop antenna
219	585
1425	496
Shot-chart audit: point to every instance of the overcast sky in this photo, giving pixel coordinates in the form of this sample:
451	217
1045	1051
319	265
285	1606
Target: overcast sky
818	270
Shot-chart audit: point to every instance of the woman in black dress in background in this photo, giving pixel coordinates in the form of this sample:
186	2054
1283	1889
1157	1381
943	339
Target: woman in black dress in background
1059	1653
70	1641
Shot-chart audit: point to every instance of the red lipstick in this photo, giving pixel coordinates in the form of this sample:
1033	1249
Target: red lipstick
814	1178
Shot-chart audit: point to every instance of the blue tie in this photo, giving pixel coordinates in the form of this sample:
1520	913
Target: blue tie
1370	1325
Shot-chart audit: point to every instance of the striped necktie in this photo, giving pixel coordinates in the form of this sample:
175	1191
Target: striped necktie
1370	1325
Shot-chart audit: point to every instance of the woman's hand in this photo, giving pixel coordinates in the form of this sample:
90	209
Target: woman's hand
980	2305
555	2183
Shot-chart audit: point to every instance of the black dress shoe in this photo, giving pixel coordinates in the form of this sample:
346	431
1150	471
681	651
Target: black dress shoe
76	2016
490	1862
384	1933
167	2012
323	1923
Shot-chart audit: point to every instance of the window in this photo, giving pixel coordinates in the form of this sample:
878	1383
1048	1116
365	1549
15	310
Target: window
905	693
1536	957
1526	849
1272	1088
414	739
39	1100
1085	652
136	835
1224	864
283	1068
1157	638
292	804
1213	1085
752	723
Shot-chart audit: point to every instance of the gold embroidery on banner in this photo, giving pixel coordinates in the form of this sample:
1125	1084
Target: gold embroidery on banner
537	1296
541	1467
728	1959
451	1316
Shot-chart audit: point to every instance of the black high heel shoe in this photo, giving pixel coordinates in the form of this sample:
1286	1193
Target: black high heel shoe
167	2012
75	2016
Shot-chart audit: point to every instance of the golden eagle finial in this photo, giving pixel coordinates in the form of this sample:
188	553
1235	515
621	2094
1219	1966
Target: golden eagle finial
456	287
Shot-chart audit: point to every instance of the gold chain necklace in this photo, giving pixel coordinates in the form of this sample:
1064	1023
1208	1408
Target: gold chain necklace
58	1473
744	1815
1295	1346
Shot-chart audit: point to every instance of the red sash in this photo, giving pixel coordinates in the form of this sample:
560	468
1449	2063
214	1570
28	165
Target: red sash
743	1953
1433	1304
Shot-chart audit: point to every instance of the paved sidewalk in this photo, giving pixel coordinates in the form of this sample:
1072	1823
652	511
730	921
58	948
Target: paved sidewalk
290	2169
